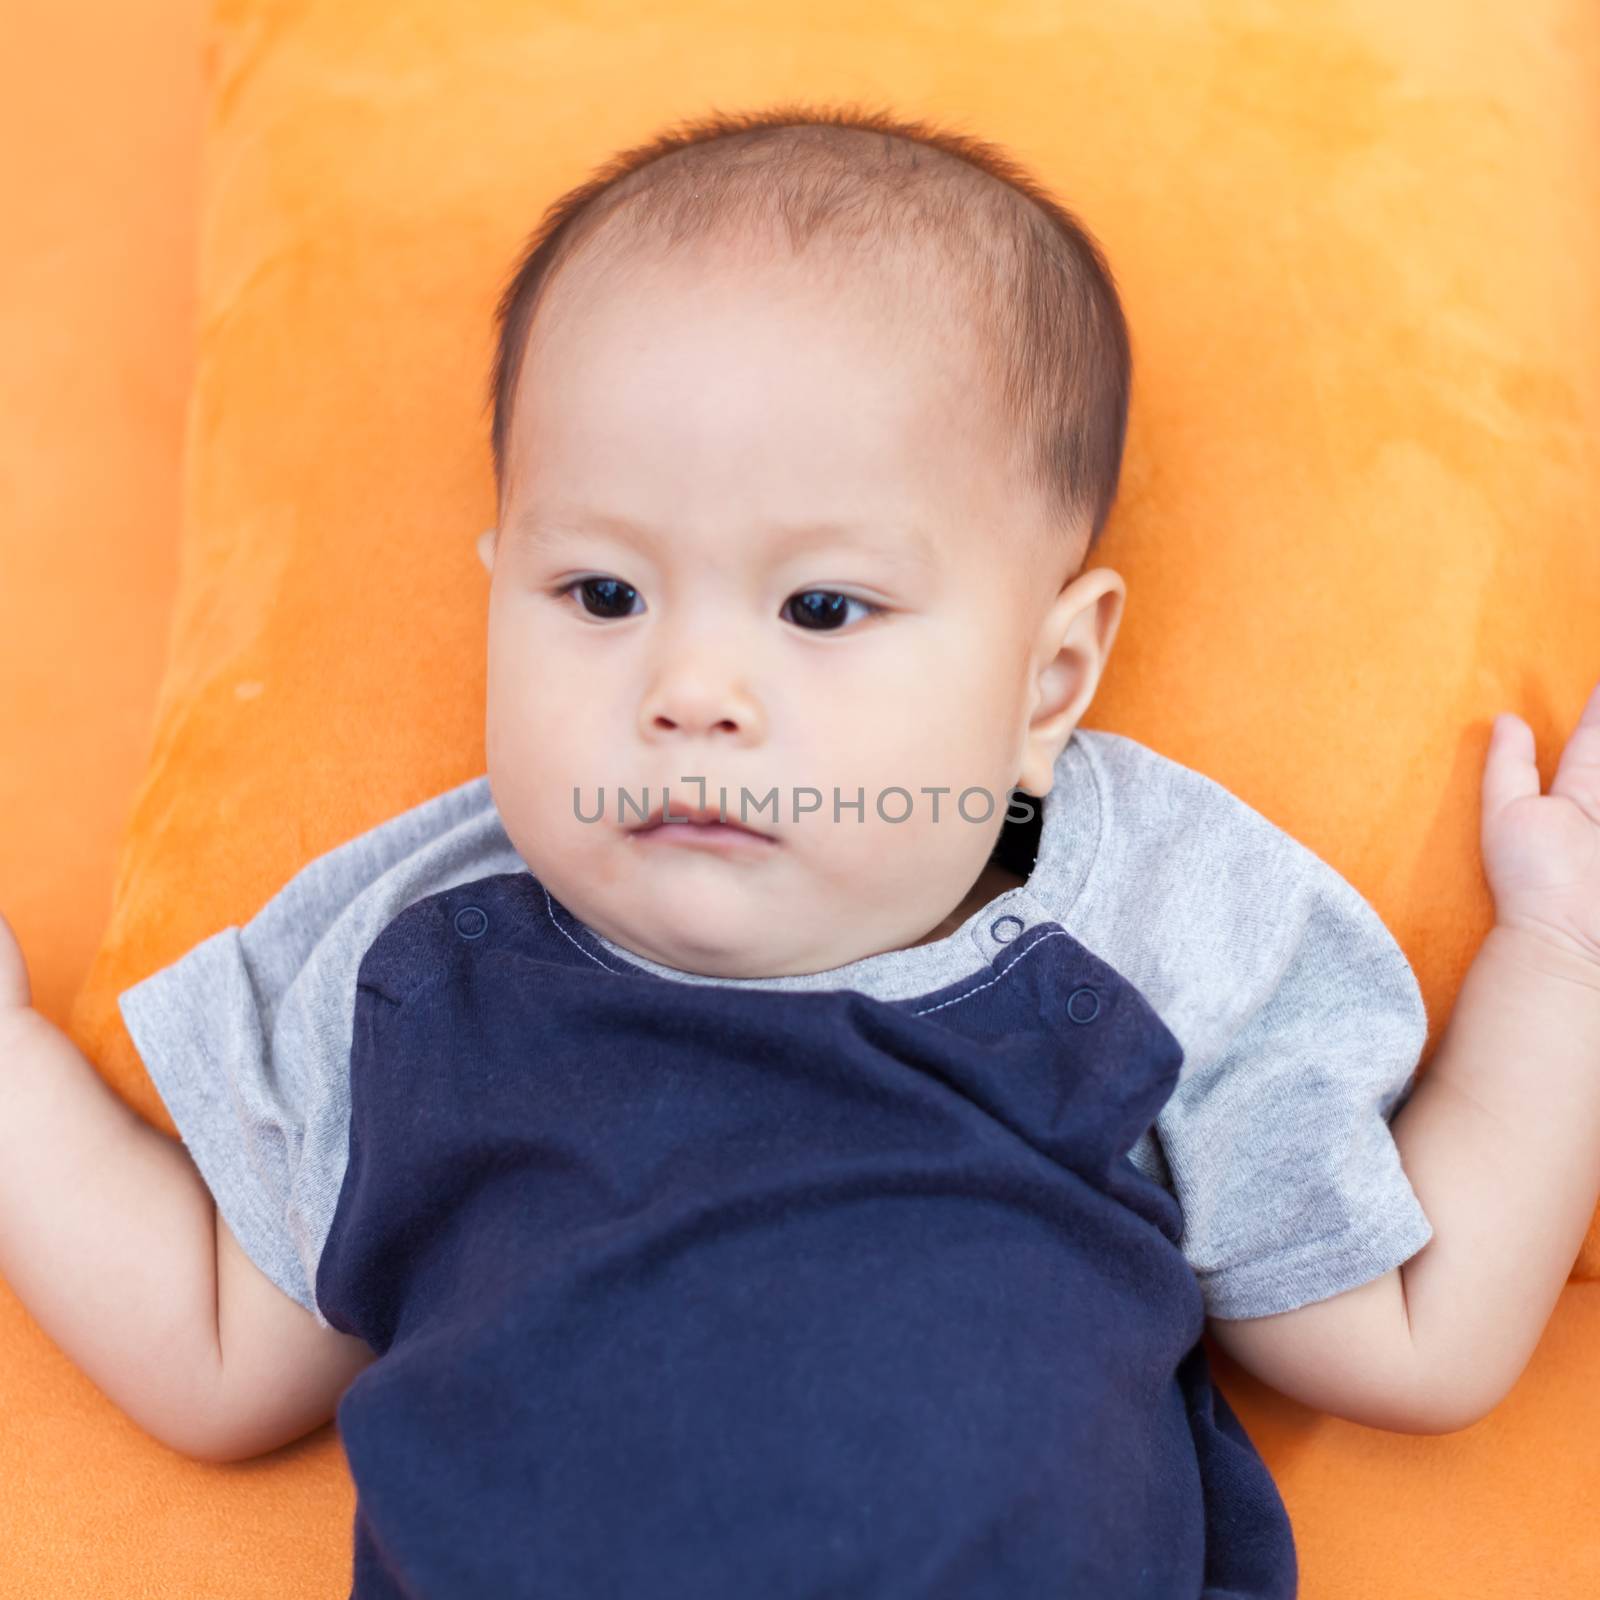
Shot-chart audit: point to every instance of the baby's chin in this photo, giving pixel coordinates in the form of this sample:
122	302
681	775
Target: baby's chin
727	942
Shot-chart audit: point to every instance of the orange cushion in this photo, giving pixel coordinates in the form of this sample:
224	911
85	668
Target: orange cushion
101	110
1356	252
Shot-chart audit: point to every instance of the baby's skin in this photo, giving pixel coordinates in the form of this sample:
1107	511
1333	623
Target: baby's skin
711	570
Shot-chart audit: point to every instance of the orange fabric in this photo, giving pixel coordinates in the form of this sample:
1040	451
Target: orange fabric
101	119
1357	253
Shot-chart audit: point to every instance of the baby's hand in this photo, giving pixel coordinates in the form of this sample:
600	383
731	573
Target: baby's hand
1541	853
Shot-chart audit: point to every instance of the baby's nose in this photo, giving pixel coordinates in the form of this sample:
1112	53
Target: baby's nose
695	701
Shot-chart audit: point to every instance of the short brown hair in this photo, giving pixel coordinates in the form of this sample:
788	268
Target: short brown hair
1057	342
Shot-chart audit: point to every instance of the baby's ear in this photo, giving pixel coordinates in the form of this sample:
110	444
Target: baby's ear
486	544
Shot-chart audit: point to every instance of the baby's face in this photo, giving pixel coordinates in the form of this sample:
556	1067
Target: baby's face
756	536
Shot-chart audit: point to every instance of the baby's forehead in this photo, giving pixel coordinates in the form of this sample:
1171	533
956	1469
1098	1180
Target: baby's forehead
885	337
838	369
889	289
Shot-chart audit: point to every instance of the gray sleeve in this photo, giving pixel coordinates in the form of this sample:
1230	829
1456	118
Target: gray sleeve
246	1037
1301	1023
1279	1146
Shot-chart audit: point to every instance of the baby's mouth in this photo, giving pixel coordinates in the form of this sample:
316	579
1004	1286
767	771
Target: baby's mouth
678	823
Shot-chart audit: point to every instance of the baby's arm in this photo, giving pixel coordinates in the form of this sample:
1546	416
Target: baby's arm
110	1238
1500	1137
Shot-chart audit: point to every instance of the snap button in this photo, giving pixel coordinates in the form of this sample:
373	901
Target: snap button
1006	928
472	922
1083	1005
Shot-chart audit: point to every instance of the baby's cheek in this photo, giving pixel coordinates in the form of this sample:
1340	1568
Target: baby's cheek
900	864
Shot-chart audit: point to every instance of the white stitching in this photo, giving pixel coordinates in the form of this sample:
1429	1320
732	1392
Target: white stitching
1054	933
551	913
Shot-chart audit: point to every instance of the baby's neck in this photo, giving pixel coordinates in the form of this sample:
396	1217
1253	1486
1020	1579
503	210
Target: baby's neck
992	881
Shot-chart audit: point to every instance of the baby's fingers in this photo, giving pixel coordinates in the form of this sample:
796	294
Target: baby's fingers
1510	770
1578	776
14	990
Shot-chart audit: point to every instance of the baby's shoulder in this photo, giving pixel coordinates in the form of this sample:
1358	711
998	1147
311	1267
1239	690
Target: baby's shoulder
1208	906
1184	844
429	936
1154	805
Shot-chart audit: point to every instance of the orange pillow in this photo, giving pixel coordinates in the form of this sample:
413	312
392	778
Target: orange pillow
1357	515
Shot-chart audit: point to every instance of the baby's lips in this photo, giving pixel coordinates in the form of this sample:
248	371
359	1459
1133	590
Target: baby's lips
681	811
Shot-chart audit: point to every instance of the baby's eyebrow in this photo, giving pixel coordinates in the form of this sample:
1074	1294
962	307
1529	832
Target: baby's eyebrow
534	528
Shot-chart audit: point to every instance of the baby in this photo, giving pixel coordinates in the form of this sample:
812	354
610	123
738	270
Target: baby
786	1128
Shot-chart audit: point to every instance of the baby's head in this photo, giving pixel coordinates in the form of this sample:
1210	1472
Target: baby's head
799	463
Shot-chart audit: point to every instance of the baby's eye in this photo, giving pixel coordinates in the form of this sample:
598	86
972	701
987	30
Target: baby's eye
607	598
823	610
815	610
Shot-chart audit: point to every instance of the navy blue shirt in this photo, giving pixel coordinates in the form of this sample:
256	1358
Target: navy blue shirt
684	1290
808	1365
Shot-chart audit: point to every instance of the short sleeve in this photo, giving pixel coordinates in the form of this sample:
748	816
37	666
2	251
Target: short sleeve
247	1036
1278	1143
1299	1018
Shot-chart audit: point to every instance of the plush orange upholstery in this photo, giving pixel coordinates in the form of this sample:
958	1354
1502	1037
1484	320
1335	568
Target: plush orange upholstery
1357	250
